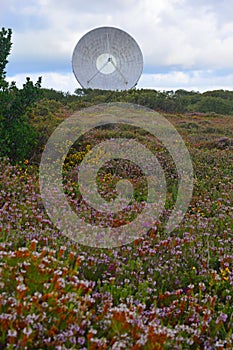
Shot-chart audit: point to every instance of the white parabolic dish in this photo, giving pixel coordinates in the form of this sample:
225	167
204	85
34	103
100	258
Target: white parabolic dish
107	58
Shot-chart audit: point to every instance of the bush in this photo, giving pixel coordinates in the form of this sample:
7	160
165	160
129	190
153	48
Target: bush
17	136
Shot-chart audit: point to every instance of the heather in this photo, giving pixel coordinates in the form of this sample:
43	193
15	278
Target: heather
162	291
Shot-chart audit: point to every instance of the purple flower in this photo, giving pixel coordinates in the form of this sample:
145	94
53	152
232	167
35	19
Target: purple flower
221	318
81	340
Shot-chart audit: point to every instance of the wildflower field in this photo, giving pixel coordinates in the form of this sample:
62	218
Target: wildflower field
162	291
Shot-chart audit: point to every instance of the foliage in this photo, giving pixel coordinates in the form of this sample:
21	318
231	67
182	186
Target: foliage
17	136
162	291
159	292
5	46
179	101
213	104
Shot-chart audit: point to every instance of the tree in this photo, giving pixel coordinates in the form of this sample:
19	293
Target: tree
5	47
214	104
17	136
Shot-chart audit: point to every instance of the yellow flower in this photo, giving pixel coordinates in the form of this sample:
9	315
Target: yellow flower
26	161
225	272
107	177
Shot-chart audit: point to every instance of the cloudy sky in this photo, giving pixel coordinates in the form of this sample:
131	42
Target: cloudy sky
186	44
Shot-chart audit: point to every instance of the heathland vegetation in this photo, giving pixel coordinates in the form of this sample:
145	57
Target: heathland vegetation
28	115
161	291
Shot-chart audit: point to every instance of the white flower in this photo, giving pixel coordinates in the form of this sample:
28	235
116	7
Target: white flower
21	287
27	331
202	286
23	249
12	333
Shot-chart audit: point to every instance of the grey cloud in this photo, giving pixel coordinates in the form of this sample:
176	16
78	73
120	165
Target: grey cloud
174	35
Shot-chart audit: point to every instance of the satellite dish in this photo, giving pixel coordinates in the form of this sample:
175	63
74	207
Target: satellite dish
107	58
